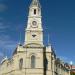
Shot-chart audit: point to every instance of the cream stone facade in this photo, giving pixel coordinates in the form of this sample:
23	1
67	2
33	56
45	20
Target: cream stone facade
33	57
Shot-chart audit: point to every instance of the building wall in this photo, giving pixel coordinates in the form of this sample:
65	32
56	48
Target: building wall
46	62
50	67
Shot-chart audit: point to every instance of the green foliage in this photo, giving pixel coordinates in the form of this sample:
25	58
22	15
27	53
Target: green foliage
72	73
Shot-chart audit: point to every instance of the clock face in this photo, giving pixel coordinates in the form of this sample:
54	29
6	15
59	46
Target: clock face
34	24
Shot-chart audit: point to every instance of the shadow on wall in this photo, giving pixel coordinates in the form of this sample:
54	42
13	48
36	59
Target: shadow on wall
45	64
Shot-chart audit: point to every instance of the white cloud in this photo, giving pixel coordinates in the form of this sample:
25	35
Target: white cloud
6	43
1	56
67	59
3	7
1	18
2	26
7	46
64	58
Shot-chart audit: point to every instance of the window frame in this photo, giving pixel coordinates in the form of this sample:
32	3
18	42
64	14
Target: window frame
21	63
33	60
34	11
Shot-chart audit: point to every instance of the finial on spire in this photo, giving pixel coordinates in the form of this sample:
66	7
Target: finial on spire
19	38
48	39
35	3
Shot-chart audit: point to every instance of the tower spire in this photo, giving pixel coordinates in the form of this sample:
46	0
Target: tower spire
35	3
34	30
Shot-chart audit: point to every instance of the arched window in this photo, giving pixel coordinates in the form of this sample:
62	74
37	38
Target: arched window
34	11
32	61
20	63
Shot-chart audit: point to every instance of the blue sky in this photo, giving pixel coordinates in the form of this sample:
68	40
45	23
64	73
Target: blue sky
58	18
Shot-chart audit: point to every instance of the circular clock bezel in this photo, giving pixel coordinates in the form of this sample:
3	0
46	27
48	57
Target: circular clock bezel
34	24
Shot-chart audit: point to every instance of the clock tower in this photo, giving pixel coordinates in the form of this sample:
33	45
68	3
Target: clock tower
34	30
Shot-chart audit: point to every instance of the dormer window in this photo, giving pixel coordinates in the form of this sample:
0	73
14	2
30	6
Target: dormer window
34	11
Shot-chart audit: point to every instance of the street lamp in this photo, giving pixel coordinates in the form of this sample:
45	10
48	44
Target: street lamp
71	63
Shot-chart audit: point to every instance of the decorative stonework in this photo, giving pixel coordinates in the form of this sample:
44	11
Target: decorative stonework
33	58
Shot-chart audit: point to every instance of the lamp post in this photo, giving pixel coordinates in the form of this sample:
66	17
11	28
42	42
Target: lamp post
71	63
